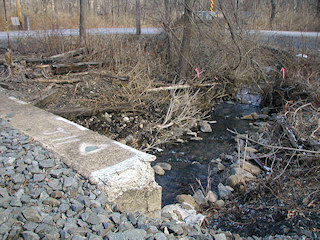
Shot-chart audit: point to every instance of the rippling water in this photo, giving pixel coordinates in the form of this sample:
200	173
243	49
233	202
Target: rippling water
190	160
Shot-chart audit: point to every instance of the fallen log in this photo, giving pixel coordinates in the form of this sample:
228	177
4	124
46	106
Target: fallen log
73	112
68	54
181	86
72	67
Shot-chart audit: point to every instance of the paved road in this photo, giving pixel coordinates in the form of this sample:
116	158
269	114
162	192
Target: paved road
75	32
291	39
300	40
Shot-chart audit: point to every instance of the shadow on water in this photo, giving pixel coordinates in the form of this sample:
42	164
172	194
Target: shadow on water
191	160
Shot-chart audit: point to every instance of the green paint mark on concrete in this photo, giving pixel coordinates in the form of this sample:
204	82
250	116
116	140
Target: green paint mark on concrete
91	148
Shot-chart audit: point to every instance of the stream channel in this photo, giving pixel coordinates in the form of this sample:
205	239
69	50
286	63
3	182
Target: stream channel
191	160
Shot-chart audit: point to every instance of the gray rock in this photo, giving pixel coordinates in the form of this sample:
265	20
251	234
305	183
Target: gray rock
85	216
19	193
4	202
158	170
235	180
4	192
97	227
51	202
165	166
18	178
30	226
224	192
211	197
78	237
70	182
77	206
174	227
4	215
64	207
124	226
4	228
205	127
57	194
55	184
241	172
116	236
135	234
94	237
52	236
49	163
15	232
160	236
220	203
15	202
115	217
28	235
40	157
220	236
43	195
152	229
200	198
56	173
93	219
32	214
38	177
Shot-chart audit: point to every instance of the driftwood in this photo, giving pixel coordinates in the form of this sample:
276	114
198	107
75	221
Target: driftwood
74	112
68	54
181	86
72	67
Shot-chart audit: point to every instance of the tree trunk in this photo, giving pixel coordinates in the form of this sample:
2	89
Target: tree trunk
82	25
138	17
318	9
167	29
273	12
184	59
19	14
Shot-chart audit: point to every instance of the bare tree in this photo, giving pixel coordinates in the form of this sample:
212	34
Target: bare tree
82	25
184	59
138	17
273	12
166	24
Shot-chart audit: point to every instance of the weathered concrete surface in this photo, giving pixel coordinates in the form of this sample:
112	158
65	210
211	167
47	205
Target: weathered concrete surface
124	174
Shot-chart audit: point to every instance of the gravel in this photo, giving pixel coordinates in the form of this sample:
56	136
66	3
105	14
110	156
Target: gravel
42	198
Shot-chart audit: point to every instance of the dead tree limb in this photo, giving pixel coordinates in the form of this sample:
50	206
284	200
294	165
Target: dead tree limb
72	67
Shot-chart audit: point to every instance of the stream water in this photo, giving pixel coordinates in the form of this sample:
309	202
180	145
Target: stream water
190	161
